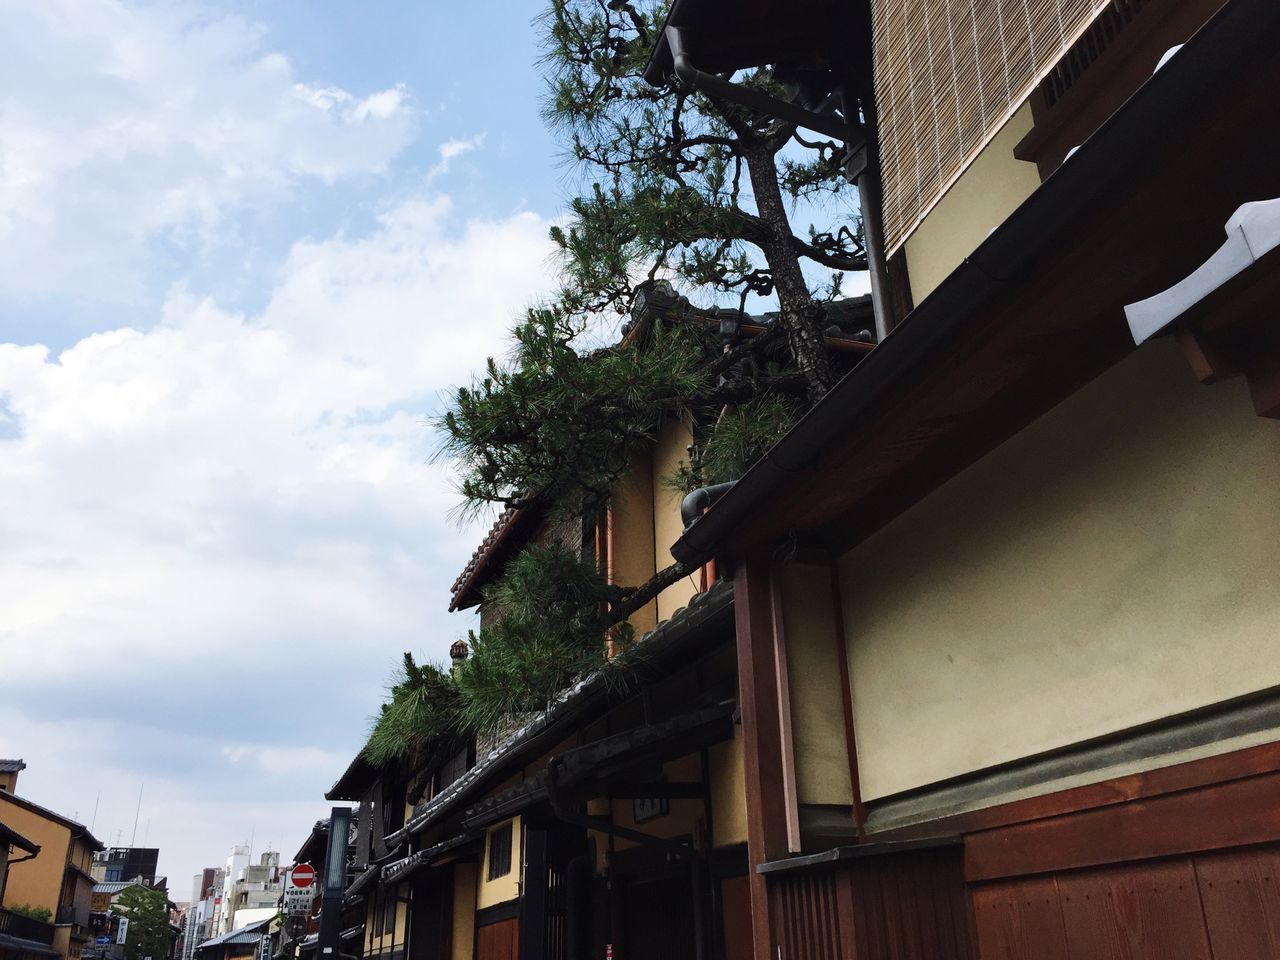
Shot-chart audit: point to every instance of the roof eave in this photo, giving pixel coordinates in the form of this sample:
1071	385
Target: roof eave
1010	248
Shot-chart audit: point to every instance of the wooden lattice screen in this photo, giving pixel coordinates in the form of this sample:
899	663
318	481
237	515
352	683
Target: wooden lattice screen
948	75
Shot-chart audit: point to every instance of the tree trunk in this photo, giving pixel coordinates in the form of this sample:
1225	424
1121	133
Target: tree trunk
795	304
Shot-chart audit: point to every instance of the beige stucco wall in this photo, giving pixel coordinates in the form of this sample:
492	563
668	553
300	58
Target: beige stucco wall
728	791
631	535
683	815
813	680
464	911
507	887
985	194
1114	563
37	882
671	449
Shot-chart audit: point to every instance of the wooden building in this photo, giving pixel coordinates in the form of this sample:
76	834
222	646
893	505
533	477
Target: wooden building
1007	599
612	822
58	879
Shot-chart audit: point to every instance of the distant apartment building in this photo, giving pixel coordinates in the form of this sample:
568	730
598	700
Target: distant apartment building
118	864
250	892
206	897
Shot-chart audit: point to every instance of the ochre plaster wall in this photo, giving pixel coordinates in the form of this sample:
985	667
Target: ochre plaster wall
671	449
1114	563
813	680
682	816
36	882
506	887
985	194
728	791
464	911
631	535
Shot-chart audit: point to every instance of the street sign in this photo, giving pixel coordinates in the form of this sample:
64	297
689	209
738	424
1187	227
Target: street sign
298	900
102	940
303	875
122	931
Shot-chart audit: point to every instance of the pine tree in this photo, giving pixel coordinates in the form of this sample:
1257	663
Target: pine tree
680	184
678	189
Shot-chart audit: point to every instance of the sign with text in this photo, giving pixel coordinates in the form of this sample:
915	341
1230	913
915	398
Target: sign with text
297	900
122	931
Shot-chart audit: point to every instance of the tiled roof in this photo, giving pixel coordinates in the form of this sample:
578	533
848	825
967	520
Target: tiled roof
78	829
11	838
704	610
115	886
509	524
11	766
248	934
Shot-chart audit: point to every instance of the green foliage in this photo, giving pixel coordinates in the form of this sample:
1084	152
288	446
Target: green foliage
148	914
546	630
738	439
743	434
43	914
424	708
562	421
666	169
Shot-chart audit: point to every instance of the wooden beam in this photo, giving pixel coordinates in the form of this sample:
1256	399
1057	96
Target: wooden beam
790	791
657	790
761	734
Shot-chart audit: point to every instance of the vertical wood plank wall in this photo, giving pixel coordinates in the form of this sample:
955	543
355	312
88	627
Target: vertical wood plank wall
498	941
910	906
1223	905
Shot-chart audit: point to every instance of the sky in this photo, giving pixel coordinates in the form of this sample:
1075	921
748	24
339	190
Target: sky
245	248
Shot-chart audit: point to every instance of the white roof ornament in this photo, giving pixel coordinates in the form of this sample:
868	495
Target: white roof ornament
1252	231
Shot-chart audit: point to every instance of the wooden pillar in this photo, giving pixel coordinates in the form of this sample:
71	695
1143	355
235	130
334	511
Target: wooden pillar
761	733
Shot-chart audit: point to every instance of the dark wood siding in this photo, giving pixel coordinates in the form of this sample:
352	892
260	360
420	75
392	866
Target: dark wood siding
1211	906
908	906
498	941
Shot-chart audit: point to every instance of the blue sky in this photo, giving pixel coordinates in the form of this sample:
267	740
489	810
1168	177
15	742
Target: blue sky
245	248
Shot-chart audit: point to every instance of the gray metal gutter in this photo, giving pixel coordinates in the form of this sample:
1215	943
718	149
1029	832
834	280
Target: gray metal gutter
1096	166
863	851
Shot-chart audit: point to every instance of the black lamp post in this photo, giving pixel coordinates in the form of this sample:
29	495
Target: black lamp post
334	885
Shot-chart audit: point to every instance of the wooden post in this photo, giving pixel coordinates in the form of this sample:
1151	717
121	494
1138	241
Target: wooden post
761	734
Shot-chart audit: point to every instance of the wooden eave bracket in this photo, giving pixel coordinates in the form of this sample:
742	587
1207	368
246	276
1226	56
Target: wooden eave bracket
1222	314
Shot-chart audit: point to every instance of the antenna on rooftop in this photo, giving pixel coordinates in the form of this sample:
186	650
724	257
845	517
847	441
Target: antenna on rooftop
133	840
95	811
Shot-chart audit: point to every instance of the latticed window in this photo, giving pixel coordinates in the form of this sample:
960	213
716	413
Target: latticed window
948	75
500	852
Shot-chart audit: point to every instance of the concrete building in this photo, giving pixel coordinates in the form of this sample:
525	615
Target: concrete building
117	864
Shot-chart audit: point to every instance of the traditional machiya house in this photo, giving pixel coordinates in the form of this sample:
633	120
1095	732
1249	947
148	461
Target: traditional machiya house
21	937
1006	598
375	914
298	936
58	879
612	822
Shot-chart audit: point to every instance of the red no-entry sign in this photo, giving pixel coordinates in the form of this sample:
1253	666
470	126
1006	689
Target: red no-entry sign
303	875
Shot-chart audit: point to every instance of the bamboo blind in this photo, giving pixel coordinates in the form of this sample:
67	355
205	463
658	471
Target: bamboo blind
949	74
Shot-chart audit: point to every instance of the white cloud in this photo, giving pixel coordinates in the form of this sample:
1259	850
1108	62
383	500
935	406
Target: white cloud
450	150
226	528
122	125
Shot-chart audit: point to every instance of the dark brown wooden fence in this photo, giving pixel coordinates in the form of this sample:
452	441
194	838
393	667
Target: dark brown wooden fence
877	902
